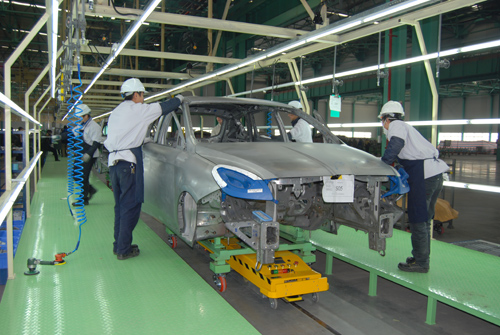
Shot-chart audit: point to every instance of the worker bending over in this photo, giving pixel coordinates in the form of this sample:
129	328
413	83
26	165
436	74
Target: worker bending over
420	160
127	128
92	139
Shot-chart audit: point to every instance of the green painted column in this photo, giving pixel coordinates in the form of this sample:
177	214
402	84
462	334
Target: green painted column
395	85
240	51
463	117
395	49
421	95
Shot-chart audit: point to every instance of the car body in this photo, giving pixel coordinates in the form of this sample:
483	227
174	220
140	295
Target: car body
246	177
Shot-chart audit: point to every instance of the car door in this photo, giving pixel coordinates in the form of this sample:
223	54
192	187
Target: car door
160	157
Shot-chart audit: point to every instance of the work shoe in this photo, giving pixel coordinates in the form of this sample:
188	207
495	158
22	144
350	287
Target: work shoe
132	253
412	267
92	191
133	246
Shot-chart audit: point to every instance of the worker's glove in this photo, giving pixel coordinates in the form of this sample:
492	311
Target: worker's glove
180	97
86	157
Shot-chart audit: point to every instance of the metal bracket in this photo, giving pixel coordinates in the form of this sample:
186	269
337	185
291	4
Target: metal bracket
264	237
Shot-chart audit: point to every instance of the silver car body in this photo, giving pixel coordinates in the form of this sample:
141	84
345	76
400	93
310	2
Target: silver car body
250	177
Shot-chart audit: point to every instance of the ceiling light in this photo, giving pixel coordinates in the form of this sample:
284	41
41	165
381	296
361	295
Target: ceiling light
285	48
394	9
116	49
334	30
480	46
54	4
477	187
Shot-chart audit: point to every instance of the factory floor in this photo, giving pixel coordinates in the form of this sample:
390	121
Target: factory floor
345	309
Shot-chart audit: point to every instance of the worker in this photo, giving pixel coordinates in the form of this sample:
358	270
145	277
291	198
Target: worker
92	139
301	131
46	144
64	141
420	160
127	128
217	128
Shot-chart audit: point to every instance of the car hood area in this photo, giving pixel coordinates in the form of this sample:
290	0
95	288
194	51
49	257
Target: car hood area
289	160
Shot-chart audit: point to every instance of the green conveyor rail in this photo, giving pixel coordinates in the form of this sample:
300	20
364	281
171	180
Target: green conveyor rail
462	278
94	293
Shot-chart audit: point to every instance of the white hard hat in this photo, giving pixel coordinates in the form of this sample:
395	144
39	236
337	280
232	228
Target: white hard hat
391	109
295	104
82	110
132	85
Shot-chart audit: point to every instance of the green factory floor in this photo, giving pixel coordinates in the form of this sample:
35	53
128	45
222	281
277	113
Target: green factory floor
94	293
465	279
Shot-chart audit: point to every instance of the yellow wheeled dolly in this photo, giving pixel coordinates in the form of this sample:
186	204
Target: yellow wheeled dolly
289	277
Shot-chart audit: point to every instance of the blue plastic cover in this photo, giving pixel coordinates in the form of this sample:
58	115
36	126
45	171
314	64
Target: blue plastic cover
242	186
399	185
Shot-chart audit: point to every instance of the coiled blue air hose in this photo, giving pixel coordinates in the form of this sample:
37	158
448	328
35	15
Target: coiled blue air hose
269	123
75	162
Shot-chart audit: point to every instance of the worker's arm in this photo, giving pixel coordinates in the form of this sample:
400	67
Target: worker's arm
393	149
87	156
171	105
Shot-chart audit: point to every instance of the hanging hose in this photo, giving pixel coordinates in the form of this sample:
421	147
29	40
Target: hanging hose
75	162
269	123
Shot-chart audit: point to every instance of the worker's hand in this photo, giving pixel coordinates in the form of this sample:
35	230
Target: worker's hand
180	97
86	157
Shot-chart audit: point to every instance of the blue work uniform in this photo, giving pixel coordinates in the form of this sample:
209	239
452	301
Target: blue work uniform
420	160
127	128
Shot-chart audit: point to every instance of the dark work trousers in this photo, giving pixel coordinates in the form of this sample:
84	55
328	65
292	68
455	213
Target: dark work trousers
421	231
46	152
127	208
87	168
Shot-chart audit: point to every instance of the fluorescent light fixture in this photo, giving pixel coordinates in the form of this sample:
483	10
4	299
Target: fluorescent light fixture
286	48
225	70
382	66
450	52
18	110
480	46
132	30
411	60
485	121
251	61
72	107
102	115
334	30
418	123
361	125
477	187
394	9
54	13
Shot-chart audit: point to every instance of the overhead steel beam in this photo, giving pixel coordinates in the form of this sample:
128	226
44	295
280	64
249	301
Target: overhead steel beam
161	55
411	18
135	73
201	22
119	83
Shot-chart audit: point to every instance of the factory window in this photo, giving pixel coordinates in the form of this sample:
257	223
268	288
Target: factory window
171	131
468	137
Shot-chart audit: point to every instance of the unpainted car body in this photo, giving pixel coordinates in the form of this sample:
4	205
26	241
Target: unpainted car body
246	177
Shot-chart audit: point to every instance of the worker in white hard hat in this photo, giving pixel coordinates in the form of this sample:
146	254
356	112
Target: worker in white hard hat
301	131
92	139
420	160
127	128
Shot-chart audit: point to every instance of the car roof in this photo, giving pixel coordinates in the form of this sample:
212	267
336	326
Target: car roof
194	101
